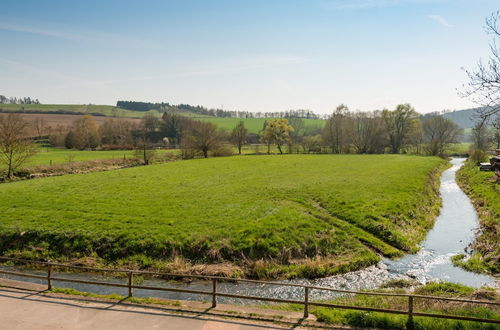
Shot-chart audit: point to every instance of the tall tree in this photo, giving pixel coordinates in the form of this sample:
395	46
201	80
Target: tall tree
172	127
239	135
335	130
398	124
86	133
366	132
479	135
15	147
438	133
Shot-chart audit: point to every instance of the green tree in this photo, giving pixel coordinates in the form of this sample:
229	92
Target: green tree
276	131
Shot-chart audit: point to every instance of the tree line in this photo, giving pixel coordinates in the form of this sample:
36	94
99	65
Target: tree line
198	109
401	130
21	100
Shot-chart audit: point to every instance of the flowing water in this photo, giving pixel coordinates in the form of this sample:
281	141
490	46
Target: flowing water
453	232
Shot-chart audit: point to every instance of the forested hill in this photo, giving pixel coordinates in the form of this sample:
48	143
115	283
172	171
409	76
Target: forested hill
463	118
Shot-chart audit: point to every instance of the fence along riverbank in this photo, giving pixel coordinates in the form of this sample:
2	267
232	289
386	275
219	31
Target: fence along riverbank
214	293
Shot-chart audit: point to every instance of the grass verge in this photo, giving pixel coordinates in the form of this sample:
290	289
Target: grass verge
485	194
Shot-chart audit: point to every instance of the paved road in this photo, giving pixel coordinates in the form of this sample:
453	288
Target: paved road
20	309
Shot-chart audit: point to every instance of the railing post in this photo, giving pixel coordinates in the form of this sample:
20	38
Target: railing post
49	275
410	313
130	280
214	292
306	302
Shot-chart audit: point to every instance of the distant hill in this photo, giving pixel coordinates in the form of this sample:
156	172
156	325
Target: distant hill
463	118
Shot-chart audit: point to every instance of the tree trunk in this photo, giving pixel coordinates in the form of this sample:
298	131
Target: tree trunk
279	148
239	149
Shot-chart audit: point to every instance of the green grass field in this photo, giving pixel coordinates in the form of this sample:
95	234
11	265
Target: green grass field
255	125
47	156
485	193
106	110
304	215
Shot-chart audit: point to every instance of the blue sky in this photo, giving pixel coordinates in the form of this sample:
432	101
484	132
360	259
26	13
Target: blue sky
244	55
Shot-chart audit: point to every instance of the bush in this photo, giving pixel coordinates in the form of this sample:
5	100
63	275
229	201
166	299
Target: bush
478	156
222	151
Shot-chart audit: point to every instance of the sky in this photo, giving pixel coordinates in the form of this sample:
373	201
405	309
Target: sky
244	55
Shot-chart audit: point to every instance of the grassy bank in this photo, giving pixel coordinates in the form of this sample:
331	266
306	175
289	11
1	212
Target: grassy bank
485	194
399	321
258	216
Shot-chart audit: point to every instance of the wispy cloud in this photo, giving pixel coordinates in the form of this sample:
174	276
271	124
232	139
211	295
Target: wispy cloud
236	65
442	21
70	33
40	31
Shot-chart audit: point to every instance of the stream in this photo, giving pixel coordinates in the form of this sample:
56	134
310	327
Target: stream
454	230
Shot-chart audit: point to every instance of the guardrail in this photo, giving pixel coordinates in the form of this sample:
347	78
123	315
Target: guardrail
216	279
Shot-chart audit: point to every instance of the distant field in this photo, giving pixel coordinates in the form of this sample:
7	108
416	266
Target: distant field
107	110
304	215
54	120
254	125
60	156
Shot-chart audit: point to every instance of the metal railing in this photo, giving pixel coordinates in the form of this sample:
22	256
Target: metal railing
217	279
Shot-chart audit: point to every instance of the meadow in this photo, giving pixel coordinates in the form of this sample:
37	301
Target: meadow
51	156
266	216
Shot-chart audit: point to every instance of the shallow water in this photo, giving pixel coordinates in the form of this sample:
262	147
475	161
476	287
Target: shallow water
454	230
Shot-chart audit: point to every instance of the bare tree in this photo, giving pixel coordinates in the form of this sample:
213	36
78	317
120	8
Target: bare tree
202	137
239	135
15	147
40	126
484	82
438	133
334	132
398	124
299	128
496	132
366	132
480	136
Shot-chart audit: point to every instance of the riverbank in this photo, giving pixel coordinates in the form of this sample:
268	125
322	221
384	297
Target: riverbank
481	187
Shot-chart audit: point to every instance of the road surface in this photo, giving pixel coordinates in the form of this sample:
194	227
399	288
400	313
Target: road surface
21	309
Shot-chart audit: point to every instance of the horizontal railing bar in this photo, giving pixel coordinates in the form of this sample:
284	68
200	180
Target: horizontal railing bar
361	308
143	287
458	300
230	295
63	279
208	277
456	317
43	277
